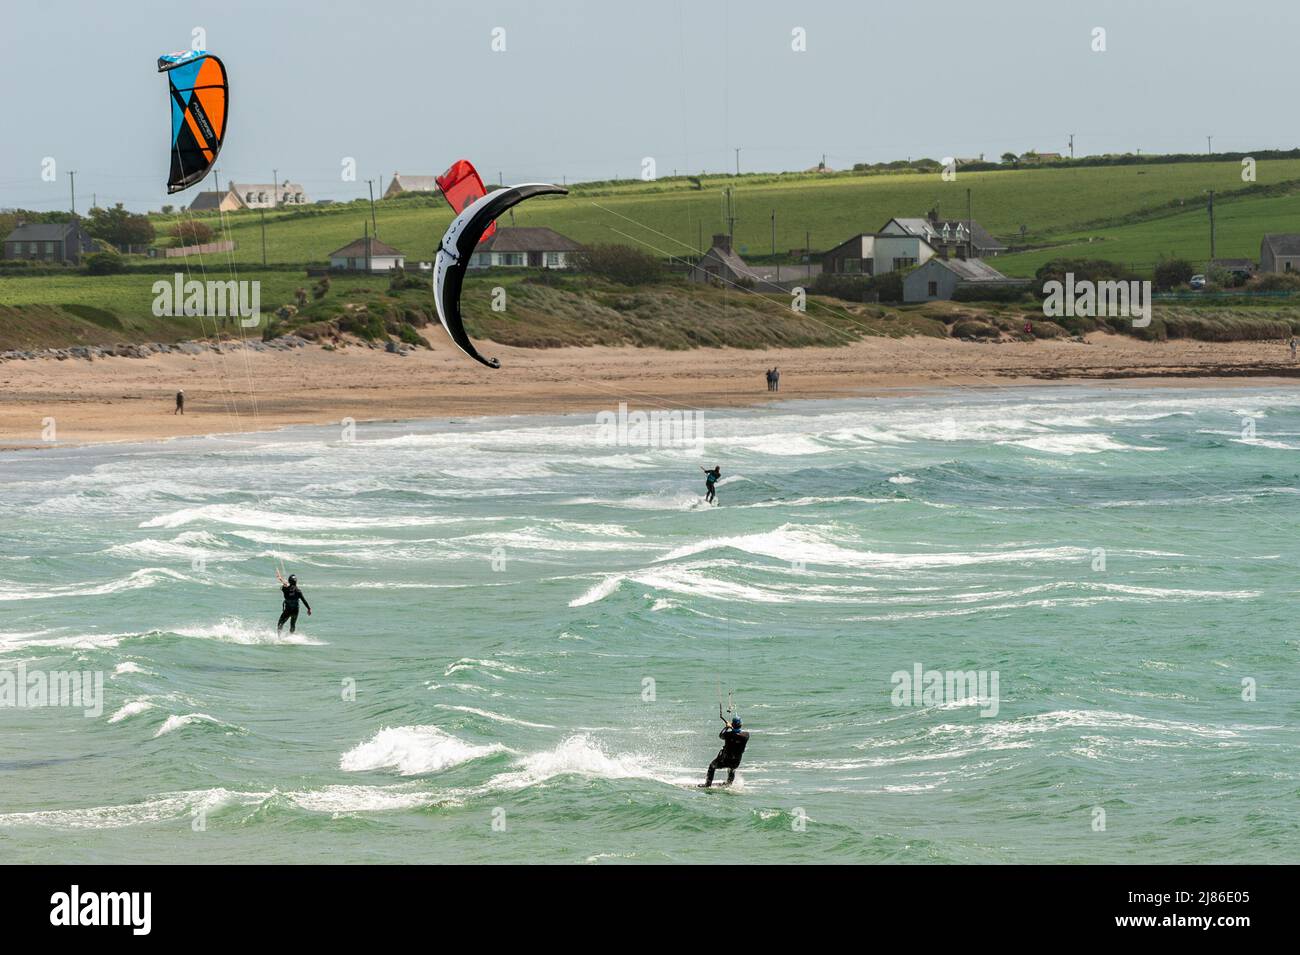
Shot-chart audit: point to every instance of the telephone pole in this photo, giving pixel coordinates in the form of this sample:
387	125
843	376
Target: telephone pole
275	188
1209	145
262	215
1211	225
737	160
774	233
1072	145
72	178
371	184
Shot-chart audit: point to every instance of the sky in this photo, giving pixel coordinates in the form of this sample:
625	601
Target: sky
585	89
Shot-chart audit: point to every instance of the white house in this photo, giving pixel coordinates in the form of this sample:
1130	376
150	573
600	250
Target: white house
524	247
259	195
353	256
876	254
402	184
954	235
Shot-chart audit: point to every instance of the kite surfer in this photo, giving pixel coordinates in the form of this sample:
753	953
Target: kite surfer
733	748
710	479
291	597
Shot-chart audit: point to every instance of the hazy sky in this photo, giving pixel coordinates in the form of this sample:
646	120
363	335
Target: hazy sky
587	89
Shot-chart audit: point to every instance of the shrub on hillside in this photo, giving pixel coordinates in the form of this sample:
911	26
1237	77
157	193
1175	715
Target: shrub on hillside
1275	282
104	263
995	293
619	263
191	232
973	328
1171	273
1093	270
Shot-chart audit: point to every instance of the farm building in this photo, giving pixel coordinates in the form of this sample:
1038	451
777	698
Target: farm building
49	241
354	256
722	266
255	195
1280	252
531	247
876	253
227	201
938	278
1241	268
402	184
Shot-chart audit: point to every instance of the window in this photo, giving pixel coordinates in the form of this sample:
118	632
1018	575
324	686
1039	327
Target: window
552	260
511	258
852	266
903	262
932	290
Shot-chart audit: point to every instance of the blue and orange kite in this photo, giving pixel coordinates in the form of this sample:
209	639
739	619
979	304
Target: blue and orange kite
200	98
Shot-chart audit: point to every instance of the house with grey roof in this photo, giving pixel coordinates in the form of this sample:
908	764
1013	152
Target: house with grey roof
261	195
722	266
532	247
366	254
939	278
1280	252
875	253
227	201
403	184
49	242
954	236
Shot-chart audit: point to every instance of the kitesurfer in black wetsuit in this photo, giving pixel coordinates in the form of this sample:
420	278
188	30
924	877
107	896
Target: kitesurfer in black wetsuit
728	758
291	597
710	478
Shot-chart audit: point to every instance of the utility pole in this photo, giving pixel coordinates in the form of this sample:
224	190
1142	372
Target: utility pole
262	215
72	178
1209	145
1211	225
367	227
731	217
275	188
970	221
371	184
737	160
1072	145
774	233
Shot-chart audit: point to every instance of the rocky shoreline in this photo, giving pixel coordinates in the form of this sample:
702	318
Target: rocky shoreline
146	349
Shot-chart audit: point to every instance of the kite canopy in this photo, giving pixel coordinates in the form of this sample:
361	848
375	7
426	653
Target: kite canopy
457	246
461	186
200	97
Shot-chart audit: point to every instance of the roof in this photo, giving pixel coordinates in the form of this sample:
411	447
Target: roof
970	270
528	239
211	200
1283	243
413	183
41	232
931	230
356	249
1232	263
875	235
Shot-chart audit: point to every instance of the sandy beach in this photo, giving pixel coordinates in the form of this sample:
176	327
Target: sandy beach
131	399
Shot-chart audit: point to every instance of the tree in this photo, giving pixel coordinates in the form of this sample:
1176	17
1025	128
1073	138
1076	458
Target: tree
120	228
1010	158
191	232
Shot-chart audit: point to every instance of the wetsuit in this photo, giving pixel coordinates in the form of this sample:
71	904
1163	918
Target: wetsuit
728	758
709	478
291	597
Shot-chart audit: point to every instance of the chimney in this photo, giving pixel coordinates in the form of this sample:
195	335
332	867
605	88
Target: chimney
722	241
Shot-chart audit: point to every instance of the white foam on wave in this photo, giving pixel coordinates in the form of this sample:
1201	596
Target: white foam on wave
495	717
902	479
493	667
131	708
158	809
241	516
582	756
136	580
1069	444
413	750
235	630
174	723
128	666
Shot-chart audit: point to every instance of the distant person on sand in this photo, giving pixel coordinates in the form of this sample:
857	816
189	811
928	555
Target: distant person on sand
1293	344
776	378
291	597
180	399
771	382
734	740
711	478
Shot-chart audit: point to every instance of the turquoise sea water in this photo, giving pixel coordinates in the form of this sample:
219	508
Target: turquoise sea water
537	624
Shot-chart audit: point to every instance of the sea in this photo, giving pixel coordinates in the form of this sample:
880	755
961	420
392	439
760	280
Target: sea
1000	625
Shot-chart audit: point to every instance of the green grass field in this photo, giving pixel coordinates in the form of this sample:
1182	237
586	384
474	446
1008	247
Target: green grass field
670	218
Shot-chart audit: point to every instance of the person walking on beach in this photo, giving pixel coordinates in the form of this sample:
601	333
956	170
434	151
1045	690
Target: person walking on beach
734	740
770	380
1293	344
710	479
776	378
292	595
180	400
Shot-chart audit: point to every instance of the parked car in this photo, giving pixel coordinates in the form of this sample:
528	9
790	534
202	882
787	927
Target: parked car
1197	281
